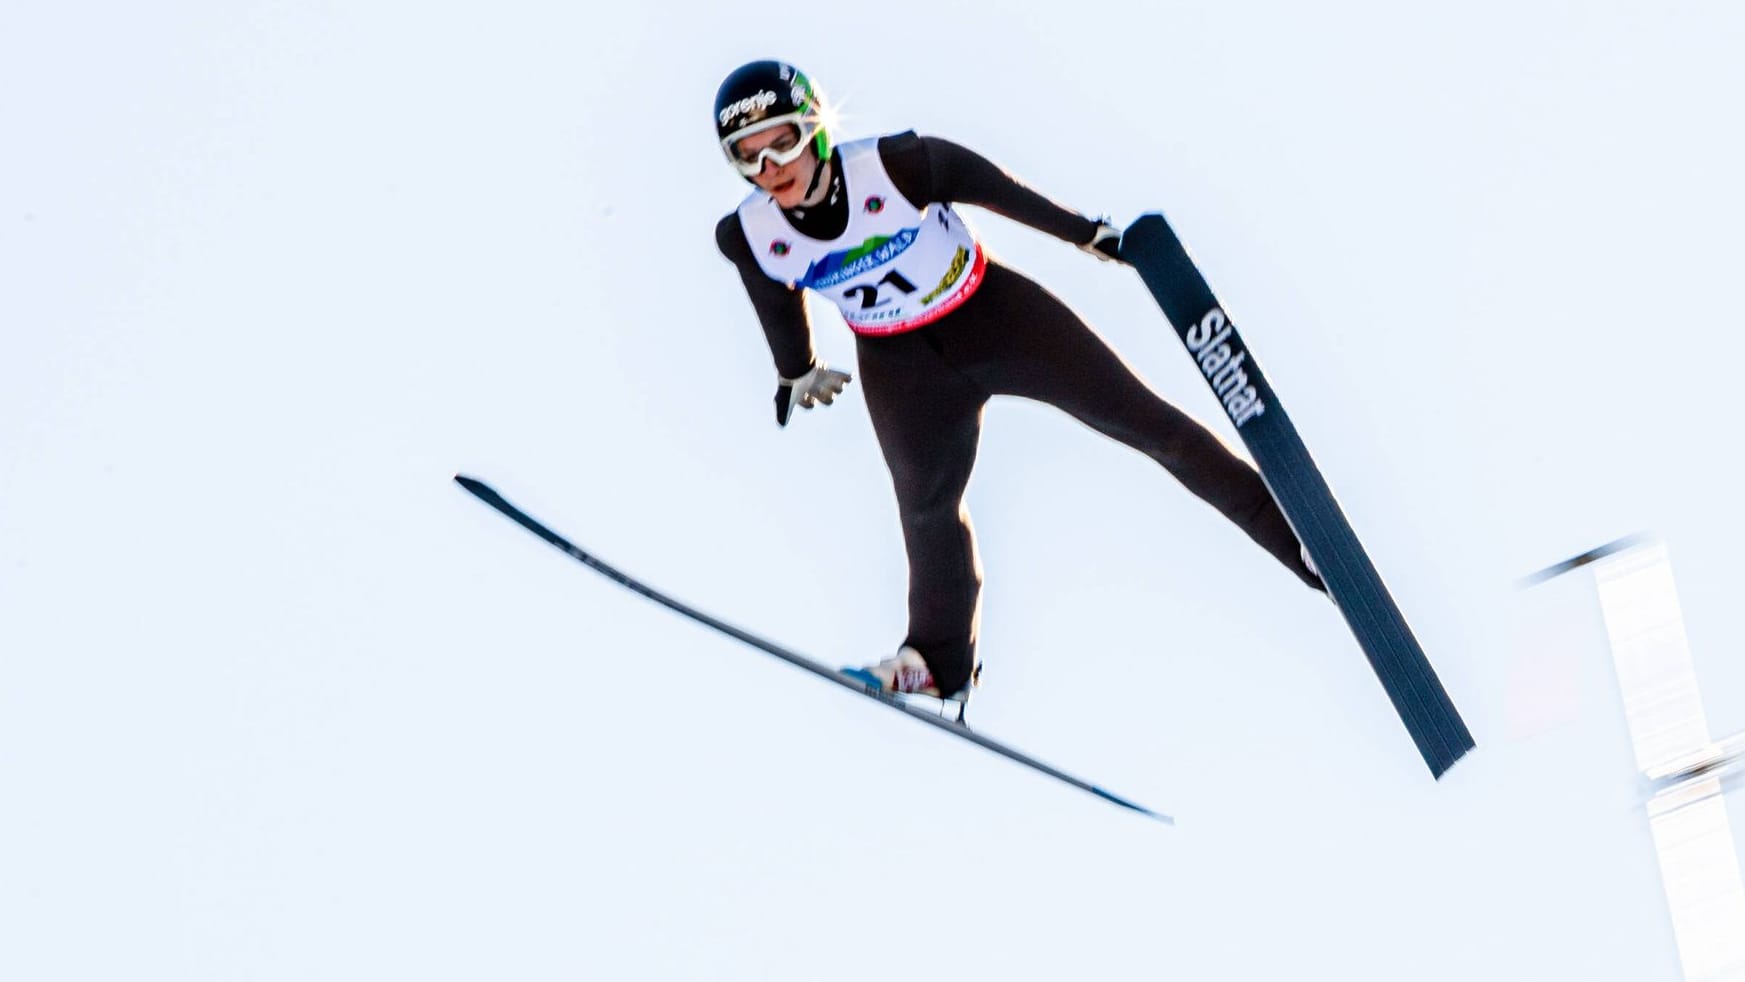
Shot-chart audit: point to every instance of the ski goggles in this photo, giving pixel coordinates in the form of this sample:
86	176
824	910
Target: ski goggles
786	148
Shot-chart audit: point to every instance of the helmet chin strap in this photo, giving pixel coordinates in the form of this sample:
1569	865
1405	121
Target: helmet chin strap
817	175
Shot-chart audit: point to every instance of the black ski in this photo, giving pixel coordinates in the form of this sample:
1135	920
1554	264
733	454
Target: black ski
490	497
1228	365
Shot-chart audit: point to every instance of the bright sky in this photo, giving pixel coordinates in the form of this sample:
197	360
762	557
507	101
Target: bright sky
279	701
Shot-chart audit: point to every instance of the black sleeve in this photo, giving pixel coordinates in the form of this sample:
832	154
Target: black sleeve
928	169
780	309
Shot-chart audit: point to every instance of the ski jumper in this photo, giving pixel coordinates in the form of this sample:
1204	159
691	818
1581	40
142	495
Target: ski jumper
940	327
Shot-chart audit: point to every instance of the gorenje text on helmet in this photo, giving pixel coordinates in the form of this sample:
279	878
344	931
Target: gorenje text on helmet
763	100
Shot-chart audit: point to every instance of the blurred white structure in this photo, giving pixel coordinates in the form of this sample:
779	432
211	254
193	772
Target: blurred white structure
1687	811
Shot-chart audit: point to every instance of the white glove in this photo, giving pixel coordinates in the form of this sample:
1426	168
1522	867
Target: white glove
820	384
1106	244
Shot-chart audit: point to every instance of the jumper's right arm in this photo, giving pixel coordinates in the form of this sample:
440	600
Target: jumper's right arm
780	309
802	380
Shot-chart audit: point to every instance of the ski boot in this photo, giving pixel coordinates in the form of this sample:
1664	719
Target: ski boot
907	674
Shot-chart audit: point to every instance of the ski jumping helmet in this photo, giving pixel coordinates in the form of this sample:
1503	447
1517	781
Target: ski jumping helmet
764	95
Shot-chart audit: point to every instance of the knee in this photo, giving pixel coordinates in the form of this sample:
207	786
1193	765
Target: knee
932	500
941	524
1174	439
1146	423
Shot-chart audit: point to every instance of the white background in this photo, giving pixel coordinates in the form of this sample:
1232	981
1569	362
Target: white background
279	701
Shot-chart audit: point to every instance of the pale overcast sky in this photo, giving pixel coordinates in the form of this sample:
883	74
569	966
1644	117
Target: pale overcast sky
279	701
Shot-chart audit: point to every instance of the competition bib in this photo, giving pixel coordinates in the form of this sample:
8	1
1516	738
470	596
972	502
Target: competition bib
894	268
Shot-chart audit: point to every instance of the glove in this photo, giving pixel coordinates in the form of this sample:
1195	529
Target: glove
821	383
1106	244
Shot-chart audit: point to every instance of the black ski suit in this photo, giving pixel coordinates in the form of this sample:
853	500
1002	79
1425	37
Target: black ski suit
925	390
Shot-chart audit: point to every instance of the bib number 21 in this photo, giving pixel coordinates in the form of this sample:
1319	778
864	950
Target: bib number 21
869	294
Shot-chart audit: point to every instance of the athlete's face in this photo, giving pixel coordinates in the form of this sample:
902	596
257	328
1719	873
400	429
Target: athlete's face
787	183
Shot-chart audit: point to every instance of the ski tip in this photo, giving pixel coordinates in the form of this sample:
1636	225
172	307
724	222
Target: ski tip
473	484
1148	219
1591	556
1132	806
